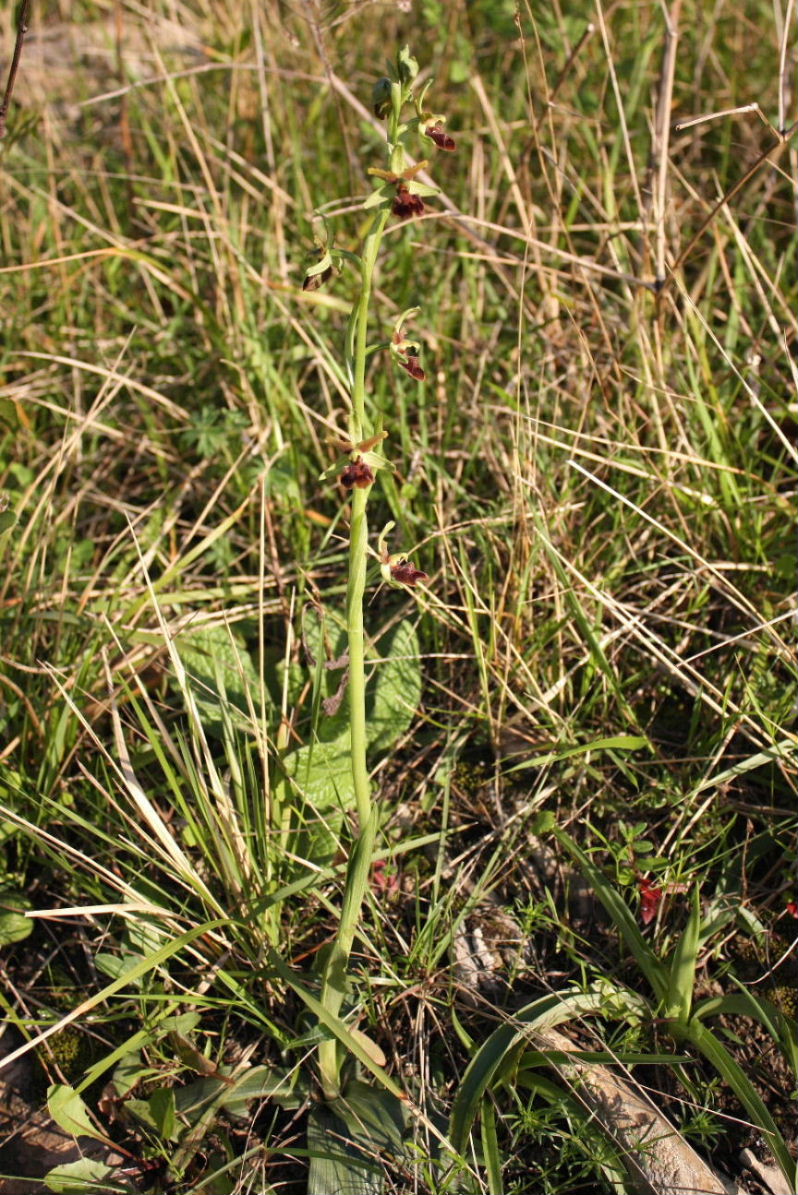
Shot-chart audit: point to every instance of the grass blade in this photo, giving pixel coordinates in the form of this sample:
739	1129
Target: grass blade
683	964
500	1052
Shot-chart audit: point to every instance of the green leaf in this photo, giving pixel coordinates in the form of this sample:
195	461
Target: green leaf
490	1148
70	1113
617	742
346	1138
14	925
261	1083
396	688
741	1085
219	664
323	788
115	965
335	1026
681	980
744	1003
321	772
83	1177
128	1073
7	521
195	1098
393	686
158	1112
182	1022
162	1110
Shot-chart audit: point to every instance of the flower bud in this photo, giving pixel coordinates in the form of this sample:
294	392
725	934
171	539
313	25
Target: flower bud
381	98
406	65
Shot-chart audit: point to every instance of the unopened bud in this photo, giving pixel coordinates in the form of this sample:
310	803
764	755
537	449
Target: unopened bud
406	65
381	98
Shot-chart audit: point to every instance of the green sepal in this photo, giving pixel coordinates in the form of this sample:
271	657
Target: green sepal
377	198
417	188
324	263
375	461
335	468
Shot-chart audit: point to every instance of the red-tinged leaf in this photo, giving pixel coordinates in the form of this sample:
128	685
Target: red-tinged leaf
382	880
650	900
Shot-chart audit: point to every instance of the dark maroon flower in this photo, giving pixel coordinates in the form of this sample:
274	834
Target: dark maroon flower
413	367
406	204
357	474
406	573
314	281
440	137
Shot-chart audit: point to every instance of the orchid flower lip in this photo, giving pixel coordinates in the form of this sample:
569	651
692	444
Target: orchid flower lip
357	475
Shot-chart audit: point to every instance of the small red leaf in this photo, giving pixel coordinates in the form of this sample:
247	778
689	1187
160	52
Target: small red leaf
650	899
383	880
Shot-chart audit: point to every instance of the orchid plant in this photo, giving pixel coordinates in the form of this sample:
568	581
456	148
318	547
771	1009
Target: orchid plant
399	193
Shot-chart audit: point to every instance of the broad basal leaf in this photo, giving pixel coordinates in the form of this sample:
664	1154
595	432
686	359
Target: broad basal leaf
351	1141
70	1113
84	1177
221	672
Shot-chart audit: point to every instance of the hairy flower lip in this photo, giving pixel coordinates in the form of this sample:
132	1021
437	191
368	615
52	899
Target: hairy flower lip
406	204
406	573
315	281
357	474
413	367
441	138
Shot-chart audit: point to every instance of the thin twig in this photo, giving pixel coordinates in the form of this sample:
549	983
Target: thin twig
783	138
22	29
681	125
659	149
783	67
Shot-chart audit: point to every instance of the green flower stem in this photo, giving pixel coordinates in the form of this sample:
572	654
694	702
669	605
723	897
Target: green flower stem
333	985
359	330
335	972
358	537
